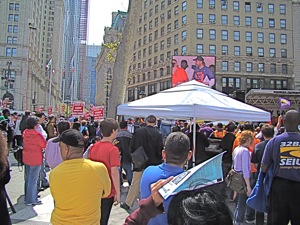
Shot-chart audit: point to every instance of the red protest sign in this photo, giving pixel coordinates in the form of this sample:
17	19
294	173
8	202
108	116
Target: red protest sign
98	112
78	108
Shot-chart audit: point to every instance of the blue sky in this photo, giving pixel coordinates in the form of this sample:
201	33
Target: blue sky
100	17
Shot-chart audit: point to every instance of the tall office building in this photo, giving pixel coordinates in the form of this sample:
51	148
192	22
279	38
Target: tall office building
253	42
74	49
30	31
89	84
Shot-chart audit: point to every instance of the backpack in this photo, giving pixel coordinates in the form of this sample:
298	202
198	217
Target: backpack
18	155
92	129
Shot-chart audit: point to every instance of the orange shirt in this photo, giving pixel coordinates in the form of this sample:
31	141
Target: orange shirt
251	148
219	134
179	76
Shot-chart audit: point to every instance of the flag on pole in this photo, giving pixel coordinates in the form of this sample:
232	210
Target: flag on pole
284	103
49	64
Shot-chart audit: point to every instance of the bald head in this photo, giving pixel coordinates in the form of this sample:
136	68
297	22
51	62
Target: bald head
291	121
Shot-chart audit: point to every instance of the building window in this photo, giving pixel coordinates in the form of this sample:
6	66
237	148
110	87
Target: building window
259	7
236	35
176	39
161	72
237	50
183	35
200	33
12	52
169	42
9	28
271	8
272	53
168	55
212	49
260	37
260	52
10	17
176	51
150	50
9	40
254	83
183	20
273	68
278	84
230	84
199	18
11	6
149	62
145	16
156	9
169	28
248	51
199	48
248	36
199	3
283	38
150	37
211	4
223	4
236	6
184	6
224	35
152	89
283	53
225	66
176	10
16	29
212	34
212	18
284	69
282	9
237	66
183	50
249	67
224	49
271	23
162	45
169	14
282	23
8	52
260	22
236	20
150	25
247	6
145	28
272	38
248	21
175	24
224	19
162	18
261	67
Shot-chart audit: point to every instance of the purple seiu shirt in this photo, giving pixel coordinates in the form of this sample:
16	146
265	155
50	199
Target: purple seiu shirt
242	161
52	154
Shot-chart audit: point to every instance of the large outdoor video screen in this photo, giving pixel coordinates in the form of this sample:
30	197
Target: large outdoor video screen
199	68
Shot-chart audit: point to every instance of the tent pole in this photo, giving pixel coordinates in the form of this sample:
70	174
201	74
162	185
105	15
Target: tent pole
194	141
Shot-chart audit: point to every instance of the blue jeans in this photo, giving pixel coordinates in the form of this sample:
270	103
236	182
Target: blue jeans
239	212
165	130
31	179
128	169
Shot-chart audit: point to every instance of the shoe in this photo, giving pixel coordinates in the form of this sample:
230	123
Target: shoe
40	189
250	221
36	203
45	186
124	206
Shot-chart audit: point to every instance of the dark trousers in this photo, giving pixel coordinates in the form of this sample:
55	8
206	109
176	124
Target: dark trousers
284	202
106	205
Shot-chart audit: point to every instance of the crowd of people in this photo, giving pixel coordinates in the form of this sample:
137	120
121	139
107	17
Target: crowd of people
90	160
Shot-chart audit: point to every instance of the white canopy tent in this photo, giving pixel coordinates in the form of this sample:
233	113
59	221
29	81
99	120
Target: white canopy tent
193	100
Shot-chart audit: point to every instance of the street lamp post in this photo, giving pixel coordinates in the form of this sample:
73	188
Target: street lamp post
108	80
67	101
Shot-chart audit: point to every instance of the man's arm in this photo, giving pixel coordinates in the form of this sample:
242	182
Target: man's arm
149	207
115	176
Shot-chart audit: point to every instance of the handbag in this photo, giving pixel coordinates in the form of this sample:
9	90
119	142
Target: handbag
259	197
235	181
139	157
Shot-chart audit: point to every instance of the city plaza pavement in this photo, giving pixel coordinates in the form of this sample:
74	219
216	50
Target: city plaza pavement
40	214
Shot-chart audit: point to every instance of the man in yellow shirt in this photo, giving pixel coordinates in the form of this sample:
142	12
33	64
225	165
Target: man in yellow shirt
77	185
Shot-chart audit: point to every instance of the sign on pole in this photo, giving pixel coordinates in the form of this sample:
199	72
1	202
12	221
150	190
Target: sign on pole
78	108
98	112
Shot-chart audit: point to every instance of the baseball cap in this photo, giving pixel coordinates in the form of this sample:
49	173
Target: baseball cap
200	58
70	137
2	118
151	119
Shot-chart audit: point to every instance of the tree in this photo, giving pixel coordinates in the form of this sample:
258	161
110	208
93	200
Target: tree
124	57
